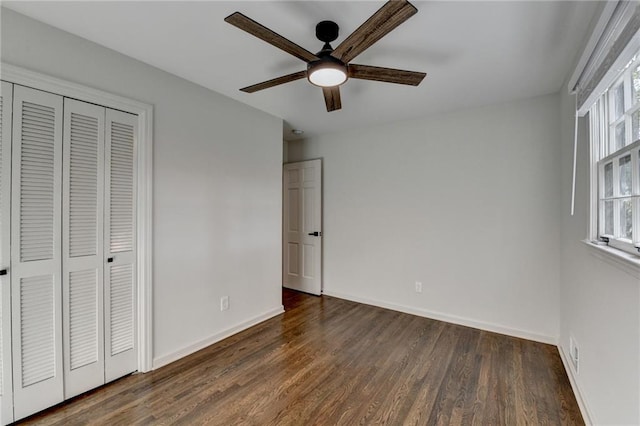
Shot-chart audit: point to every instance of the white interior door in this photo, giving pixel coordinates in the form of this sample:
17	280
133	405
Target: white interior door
82	246
120	246
6	385
36	250
302	239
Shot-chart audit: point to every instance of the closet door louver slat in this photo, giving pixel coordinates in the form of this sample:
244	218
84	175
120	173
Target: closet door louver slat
121	309
35	250
37	329
120	275
83	303
82	250
121	186
37	187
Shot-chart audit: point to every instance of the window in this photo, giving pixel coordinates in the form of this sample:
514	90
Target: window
615	137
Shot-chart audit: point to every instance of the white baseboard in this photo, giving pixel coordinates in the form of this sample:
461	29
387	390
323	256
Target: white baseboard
188	350
586	414
495	328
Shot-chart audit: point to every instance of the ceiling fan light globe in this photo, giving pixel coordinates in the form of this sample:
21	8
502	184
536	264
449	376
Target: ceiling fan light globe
327	72
327	77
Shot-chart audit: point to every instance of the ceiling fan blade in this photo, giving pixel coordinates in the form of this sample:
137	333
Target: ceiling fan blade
273	38
332	98
275	82
388	17
387	75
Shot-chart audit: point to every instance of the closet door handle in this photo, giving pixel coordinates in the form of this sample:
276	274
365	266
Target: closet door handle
3	272
110	260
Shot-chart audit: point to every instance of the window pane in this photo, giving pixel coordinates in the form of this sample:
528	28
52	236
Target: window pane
625	175
620	136
635	77
618	101
626	214
635	126
608	217
608	180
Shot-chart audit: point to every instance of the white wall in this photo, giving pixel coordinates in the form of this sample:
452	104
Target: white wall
466	202
600	302
217	186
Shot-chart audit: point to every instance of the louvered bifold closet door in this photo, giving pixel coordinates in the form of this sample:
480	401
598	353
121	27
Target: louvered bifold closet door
36	250
6	386
82	246
120	244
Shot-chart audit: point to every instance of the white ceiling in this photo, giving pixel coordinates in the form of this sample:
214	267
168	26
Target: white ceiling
474	53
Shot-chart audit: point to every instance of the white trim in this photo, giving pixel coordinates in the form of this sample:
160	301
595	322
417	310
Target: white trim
575	157
622	260
188	350
454	319
587	416
595	135
144	237
25	77
144	240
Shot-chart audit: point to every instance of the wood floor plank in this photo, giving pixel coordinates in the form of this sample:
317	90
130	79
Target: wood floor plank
328	361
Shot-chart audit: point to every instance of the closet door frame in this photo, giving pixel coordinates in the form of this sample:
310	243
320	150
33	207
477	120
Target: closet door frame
6	393
144	187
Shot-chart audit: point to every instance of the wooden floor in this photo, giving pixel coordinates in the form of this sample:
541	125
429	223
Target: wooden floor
328	361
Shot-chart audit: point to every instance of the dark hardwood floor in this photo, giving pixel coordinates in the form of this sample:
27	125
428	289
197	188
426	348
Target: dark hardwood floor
328	361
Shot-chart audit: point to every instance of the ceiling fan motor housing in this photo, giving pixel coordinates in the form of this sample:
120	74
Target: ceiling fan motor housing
327	31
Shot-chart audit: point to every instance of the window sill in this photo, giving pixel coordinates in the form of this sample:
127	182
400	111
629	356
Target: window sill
618	258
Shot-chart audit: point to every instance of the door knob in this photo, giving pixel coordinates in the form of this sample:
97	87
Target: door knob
316	234
109	260
3	272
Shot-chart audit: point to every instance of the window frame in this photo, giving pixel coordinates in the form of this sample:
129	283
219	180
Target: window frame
603	124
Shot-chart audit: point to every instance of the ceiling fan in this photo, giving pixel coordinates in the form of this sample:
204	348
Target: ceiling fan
329	68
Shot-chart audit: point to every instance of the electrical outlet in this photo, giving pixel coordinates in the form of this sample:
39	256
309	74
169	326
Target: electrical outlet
574	353
224	303
418	287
